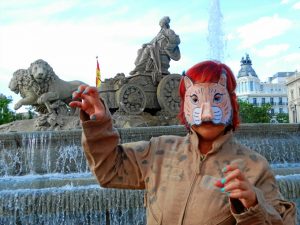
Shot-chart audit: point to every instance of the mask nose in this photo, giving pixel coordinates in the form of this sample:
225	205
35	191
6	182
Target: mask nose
207	113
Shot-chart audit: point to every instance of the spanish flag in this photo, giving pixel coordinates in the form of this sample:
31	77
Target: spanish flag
98	80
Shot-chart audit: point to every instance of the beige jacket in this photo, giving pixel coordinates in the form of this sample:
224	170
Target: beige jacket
179	182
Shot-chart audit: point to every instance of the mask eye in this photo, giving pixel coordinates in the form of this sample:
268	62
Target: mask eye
194	98
218	98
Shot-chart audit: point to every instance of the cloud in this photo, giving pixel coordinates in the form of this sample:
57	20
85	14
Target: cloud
296	5
284	2
187	25
285	63
34	9
271	50
261	30
292	58
234	66
70	47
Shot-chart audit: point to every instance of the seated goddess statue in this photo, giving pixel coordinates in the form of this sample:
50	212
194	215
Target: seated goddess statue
155	56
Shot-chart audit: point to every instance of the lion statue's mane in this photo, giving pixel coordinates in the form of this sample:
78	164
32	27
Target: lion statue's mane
39	85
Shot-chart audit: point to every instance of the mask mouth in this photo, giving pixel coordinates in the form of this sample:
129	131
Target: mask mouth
207	120
205	123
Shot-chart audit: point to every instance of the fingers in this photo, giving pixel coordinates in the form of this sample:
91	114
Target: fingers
236	185
239	194
97	116
83	91
234	173
91	91
75	104
87	99
229	168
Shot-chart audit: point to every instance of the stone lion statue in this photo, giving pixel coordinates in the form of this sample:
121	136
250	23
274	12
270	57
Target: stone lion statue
39	85
52	86
23	83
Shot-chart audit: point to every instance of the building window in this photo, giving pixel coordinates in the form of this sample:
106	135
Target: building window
261	87
272	111
251	85
254	101
280	100
271	101
280	110
263	101
292	94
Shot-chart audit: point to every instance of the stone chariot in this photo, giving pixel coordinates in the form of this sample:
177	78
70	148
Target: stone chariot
138	93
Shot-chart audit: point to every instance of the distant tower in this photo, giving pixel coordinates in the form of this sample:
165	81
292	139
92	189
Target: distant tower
246	68
215	38
252	90
247	79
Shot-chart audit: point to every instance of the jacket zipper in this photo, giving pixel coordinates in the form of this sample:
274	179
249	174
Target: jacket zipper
192	187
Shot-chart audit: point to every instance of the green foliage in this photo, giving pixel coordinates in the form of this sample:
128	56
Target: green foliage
6	115
282	117
250	113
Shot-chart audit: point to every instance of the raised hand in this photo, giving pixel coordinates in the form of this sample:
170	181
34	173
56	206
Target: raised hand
87	99
237	186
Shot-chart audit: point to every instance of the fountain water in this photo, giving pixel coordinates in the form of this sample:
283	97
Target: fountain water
215	36
45	178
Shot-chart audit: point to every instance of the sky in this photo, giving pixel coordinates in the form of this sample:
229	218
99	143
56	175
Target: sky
70	34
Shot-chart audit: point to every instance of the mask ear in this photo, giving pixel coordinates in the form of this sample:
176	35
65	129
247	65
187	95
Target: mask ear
223	79
187	82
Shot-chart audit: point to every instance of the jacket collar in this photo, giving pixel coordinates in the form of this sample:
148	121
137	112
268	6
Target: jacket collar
216	144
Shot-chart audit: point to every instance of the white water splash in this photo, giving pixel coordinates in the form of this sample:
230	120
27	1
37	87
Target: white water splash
215	38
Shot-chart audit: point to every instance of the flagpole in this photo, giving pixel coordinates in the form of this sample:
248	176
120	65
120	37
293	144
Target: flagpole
98	74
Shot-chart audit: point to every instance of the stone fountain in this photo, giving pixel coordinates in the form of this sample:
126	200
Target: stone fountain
45	178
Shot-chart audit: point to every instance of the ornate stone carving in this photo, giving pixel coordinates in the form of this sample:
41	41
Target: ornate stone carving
41	88
155	56
150	95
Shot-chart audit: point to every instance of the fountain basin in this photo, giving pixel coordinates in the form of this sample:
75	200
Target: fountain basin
60	151
45	179
78	199
88	204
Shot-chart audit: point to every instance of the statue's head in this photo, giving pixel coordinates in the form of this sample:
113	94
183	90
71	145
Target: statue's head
40	70
207	92
17	80
164	22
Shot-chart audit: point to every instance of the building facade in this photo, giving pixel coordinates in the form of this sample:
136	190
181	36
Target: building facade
252	90
293	90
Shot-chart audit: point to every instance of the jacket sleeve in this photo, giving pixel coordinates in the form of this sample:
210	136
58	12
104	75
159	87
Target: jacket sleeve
114	165
271	207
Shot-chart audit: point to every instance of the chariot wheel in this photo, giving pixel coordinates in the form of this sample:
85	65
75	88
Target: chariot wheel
131	99
168	94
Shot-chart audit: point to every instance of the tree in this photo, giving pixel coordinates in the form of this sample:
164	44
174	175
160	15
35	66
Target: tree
282	117
6	115
250	113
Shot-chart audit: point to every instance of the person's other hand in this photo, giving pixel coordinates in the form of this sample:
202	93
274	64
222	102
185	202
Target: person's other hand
237	186
87	99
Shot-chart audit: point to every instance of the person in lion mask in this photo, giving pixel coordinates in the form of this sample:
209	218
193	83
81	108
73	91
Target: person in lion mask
205	177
